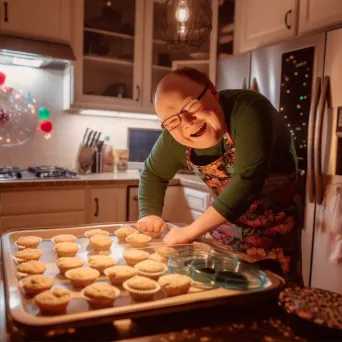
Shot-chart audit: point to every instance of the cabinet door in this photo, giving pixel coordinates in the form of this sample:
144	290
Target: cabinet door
40	19
175	209
159	60
107	205
108	44
263	22
317	14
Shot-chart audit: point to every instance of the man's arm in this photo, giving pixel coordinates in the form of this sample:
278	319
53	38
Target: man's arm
166	158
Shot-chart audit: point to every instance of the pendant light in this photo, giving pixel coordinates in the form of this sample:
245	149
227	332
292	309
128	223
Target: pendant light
185	25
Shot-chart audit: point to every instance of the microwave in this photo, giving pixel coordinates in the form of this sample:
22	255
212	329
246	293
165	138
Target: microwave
140	144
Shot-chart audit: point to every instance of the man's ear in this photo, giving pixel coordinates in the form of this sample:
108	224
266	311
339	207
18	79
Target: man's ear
215	93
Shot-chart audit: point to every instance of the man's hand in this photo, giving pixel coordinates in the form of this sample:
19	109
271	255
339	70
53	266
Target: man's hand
177	236
151	225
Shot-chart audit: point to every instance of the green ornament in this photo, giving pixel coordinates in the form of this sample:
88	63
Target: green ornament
43	113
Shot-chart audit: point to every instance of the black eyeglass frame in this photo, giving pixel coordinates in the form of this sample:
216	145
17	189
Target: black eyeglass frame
198	98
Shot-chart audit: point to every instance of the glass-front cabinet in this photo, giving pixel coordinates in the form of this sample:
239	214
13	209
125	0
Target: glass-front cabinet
120	56
108	68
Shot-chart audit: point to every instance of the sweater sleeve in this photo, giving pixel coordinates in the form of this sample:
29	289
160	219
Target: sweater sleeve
253	135
166	158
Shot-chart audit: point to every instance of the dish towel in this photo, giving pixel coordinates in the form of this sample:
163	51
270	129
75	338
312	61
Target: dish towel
330	220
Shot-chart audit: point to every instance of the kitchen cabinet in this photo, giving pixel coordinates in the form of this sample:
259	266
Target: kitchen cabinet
181	205
39	19
107	204
108	44
159	60
42	208
120	59
318	14
174	206
263	22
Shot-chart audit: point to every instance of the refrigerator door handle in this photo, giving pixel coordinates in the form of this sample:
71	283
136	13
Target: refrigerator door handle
319	190
311	135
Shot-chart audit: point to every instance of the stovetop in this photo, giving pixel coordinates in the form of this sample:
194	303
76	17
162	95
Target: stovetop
11	173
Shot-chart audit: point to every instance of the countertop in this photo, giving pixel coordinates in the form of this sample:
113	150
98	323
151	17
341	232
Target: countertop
128	178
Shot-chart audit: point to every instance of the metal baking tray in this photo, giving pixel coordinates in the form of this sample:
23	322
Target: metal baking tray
22	310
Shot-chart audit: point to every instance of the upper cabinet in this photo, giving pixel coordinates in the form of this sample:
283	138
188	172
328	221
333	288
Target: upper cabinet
120	58
318	14
39	19
108	41
262	22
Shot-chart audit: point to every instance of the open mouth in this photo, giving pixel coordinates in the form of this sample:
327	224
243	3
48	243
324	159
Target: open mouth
200	131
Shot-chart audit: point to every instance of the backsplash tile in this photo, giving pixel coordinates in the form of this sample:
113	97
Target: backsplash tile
46	86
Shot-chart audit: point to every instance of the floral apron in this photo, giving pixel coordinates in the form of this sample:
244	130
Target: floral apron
270	228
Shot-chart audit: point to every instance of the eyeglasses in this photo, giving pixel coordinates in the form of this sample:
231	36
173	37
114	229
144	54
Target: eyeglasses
192	107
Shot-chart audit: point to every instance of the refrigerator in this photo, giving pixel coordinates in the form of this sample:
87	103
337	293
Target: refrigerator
233	72
303	80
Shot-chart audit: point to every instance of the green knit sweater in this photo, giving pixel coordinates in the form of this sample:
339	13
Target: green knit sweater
263	145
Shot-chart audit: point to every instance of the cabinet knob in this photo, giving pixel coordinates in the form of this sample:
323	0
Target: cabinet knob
96	214
286	19
135	198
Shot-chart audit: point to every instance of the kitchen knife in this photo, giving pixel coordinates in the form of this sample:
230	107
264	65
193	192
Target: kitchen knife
85	135
89	138
93	139
97	139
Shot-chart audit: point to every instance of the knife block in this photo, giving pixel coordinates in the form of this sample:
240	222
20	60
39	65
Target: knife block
85	159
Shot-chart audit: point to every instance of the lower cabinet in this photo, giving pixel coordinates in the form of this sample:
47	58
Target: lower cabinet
58	207
181	204
107	205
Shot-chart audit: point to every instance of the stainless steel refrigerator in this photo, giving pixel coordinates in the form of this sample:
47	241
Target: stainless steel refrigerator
303	80
233	72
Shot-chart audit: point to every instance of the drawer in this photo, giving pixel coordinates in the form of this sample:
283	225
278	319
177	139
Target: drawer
197	200
42	201
41	220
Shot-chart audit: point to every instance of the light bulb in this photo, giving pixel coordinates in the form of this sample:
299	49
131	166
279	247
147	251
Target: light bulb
182	12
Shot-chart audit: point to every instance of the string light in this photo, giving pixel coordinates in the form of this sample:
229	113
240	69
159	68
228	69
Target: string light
295	95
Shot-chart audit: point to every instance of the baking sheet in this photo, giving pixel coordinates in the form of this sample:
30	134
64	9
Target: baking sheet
22	309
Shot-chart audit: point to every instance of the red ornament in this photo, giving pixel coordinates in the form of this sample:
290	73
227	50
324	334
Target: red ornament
2	78
46	126
4	117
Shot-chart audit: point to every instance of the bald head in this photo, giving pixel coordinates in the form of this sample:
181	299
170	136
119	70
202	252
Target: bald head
173	92
177	92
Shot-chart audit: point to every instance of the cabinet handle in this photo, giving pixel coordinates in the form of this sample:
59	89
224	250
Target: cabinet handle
96	214
135	198
6	12
286	19
138	96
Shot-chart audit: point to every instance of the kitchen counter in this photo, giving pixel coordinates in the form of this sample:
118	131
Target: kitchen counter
128	178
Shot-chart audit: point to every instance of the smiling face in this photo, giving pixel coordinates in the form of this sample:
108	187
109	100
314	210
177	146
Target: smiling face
204	128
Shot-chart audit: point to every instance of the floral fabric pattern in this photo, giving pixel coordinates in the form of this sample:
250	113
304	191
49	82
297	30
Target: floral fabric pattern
269	229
